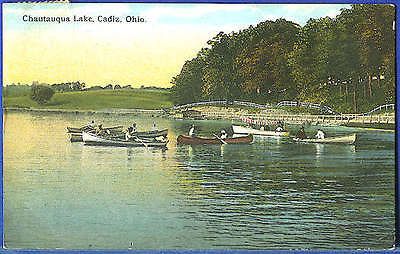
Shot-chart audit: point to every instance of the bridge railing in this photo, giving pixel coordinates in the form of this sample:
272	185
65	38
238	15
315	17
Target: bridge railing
323	108
385	107
222	102
251	104
307	105
299	119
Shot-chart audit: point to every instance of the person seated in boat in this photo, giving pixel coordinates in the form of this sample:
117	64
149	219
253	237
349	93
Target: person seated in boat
279	126
99	130
128	134
301	134
320	134
191	131
223	135
91	124
133	128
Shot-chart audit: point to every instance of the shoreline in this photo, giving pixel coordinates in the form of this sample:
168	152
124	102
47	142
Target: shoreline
162	113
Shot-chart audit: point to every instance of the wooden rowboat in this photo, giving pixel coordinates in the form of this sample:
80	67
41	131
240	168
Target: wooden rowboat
348	139
151	134
94	140
88	128
246	130
77	137
183	139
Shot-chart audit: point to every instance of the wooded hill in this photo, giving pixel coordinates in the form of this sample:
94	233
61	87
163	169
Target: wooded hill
347	62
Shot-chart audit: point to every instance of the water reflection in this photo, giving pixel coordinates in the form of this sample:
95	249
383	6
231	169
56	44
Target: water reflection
319	149
270	194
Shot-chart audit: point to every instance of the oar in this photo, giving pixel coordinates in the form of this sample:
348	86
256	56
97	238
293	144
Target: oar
220	139
141	141
86	127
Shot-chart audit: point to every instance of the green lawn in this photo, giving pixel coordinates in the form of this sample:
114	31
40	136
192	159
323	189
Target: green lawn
97	100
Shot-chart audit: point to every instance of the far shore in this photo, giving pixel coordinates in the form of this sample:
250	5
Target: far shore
223	114
86	111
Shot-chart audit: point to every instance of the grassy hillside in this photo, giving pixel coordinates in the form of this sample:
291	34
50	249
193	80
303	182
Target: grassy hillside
97	100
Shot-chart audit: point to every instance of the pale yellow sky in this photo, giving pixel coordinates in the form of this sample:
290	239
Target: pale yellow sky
149	53
137	57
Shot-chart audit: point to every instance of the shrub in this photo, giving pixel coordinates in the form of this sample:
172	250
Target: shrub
41	93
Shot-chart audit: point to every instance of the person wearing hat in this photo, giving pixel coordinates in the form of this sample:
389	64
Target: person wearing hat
223	134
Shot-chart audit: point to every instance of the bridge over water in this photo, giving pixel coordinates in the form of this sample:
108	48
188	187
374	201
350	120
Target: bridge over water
383	114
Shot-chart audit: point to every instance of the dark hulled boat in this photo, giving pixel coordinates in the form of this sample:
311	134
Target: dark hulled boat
90	128
151	134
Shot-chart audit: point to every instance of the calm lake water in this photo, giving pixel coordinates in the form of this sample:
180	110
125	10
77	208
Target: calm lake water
272	194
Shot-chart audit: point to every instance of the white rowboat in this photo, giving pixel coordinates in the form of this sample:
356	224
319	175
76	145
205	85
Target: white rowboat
246	130
92	139
348	139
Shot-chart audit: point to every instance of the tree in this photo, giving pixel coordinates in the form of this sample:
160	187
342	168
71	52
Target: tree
188	84
41	93
263	66
77	86
347	62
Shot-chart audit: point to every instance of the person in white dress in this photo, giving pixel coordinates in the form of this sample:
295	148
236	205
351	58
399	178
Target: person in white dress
320	134
191	131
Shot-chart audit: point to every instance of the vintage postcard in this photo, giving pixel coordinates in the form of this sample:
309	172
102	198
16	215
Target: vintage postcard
199	126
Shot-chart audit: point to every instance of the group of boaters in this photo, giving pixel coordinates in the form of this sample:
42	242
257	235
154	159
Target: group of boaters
192	132
301	134
130	132
98	128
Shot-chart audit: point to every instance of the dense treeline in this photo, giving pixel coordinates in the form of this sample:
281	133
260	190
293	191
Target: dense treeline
347	62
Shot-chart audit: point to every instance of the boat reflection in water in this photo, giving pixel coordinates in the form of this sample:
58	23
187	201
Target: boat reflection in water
270	194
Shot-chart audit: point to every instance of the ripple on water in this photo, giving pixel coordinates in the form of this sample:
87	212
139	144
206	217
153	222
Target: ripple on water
272	194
